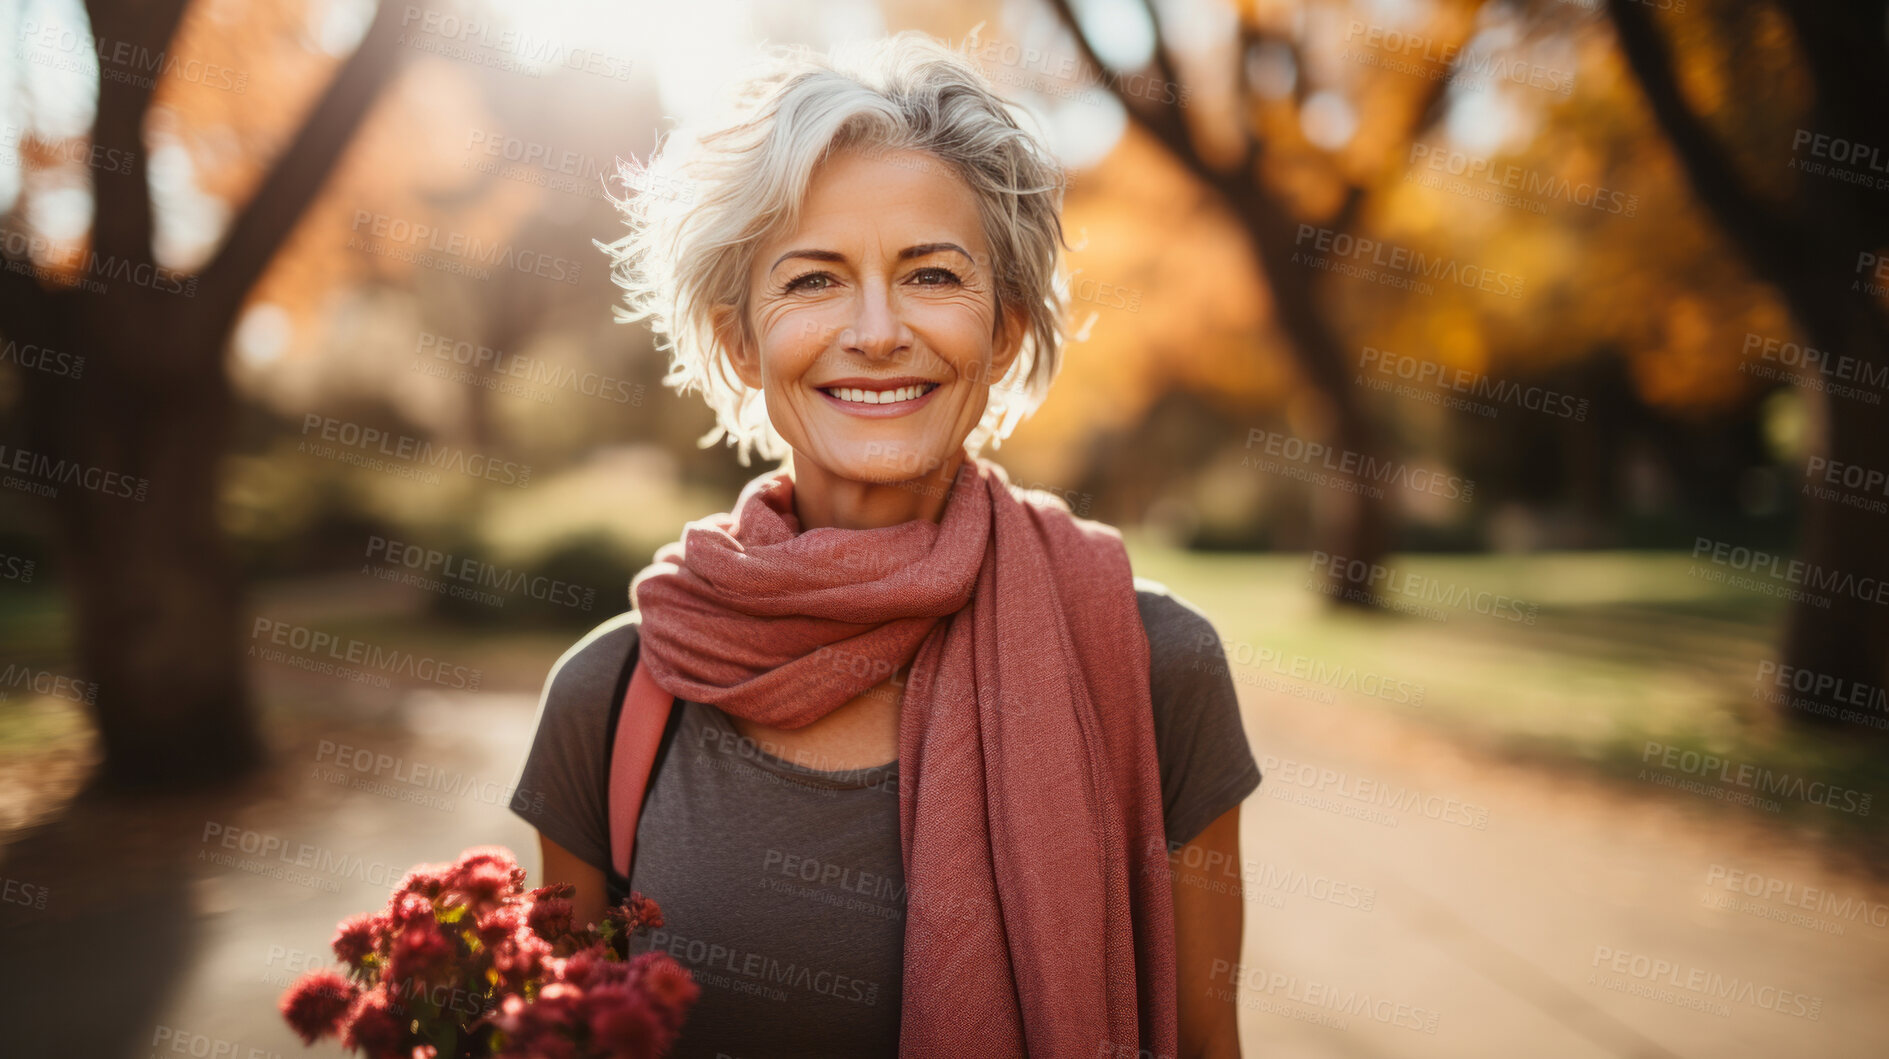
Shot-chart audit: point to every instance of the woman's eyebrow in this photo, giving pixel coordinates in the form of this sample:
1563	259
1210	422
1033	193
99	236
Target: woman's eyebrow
921	250
924	249
816	255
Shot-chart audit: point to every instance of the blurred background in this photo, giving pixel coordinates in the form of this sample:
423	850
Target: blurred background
1504	379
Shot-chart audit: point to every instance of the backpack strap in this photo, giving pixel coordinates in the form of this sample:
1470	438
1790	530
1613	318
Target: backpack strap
643	726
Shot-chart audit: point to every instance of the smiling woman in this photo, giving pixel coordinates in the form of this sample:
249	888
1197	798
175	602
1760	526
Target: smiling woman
911	760
875	334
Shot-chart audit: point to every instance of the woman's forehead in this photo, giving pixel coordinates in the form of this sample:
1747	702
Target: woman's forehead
897	196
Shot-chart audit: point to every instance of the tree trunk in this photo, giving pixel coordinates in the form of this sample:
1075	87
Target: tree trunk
157	608
1806	247
1842	649
1354	523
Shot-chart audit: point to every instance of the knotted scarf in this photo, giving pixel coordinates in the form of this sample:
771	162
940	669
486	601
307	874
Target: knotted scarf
1038	915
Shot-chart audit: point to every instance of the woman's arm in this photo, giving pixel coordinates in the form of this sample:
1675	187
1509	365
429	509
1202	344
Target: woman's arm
563	866
1209	907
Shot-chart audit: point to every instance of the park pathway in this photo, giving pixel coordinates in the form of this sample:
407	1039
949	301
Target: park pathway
1405	897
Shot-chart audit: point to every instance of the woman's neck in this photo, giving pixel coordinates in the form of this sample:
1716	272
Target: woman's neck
825	499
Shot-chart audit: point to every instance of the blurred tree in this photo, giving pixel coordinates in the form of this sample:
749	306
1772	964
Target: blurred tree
1274	181
157	605
1815	244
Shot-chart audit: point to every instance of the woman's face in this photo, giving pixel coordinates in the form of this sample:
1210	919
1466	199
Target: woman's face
875	322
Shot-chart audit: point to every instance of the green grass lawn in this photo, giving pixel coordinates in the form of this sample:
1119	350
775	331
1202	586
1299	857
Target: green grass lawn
1624	648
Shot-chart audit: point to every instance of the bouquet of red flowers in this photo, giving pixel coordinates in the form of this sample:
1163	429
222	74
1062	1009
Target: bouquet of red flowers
464	963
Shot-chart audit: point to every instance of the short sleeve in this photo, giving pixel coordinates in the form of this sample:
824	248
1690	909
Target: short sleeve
563	790
1207	768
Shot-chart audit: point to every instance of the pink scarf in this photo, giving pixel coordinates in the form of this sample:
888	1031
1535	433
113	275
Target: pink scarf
1038	915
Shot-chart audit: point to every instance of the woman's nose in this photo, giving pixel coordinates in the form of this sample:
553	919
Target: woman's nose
876	333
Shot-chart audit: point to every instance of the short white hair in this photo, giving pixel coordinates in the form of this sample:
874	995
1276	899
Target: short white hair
697	216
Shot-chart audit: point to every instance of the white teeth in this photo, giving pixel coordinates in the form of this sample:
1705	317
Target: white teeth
903	393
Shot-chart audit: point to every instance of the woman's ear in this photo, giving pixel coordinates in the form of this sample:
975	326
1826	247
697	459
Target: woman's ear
732	336
1010	331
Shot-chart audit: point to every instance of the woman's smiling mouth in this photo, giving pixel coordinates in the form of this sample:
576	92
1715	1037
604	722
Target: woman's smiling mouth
878	397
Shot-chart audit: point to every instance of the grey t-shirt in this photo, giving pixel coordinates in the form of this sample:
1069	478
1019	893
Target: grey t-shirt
782	886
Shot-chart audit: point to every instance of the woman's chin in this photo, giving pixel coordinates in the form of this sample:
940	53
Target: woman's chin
882	462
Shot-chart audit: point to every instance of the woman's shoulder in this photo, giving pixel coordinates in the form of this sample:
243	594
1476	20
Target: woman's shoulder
586	674
1179	635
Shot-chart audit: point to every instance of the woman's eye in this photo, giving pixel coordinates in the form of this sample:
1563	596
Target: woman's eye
935	277
810	281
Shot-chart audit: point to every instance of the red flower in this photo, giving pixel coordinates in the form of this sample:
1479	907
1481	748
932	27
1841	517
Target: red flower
486	875
471	941
622	1023
644	912
667	984
502	922
374	1030
539	1029
358	936
315	1004
550	917
427	880
520	957
407	909
418	949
